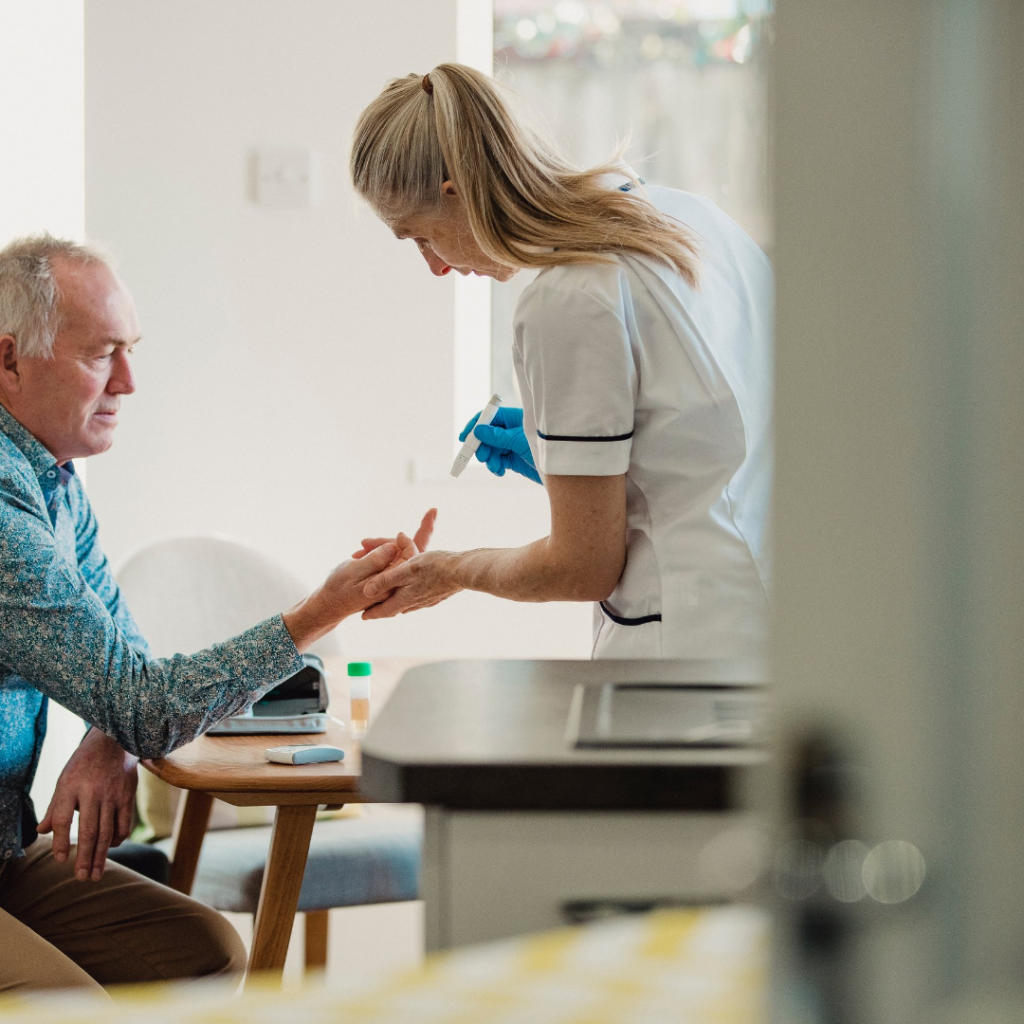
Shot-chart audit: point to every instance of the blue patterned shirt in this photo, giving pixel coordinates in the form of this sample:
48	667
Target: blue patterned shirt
66	634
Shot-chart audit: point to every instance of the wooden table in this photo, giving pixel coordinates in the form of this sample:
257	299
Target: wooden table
233	769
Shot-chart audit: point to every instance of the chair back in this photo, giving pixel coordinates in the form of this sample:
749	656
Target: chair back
187	593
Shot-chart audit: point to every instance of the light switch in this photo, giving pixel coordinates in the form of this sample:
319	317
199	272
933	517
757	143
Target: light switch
284	177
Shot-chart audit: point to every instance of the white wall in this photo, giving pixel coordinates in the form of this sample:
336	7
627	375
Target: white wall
42	188
294	362
42	118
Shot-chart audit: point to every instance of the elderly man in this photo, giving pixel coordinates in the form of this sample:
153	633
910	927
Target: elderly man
67	330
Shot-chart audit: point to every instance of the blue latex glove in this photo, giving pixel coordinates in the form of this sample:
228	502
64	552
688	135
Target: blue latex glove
503	444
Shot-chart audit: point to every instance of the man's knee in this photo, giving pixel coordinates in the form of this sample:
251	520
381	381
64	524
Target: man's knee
218	949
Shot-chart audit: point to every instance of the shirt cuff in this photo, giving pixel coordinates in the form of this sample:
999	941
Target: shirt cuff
583	458
270	653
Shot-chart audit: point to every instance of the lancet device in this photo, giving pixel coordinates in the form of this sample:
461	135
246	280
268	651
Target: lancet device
468	450
305	753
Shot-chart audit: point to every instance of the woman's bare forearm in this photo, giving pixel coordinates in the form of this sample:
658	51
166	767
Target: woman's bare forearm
535	572
581	559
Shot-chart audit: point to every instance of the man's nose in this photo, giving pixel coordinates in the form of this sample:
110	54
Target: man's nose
438	267
122	379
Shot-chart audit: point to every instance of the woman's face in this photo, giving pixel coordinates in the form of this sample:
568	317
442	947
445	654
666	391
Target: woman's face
446	242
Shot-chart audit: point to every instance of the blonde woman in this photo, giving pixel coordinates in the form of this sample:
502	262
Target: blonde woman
642	352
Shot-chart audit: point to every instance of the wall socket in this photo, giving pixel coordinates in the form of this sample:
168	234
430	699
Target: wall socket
284	177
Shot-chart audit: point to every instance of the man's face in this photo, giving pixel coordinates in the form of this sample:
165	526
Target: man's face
70	401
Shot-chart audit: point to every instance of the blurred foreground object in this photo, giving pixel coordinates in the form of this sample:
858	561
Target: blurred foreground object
693	966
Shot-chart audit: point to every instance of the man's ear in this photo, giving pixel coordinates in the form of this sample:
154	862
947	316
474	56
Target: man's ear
10	373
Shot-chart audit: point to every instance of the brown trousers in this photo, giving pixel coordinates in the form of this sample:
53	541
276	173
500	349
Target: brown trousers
57	932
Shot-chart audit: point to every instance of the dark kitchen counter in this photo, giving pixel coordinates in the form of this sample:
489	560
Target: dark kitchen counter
499	735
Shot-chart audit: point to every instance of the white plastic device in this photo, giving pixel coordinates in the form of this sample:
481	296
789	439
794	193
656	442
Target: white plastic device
304	753
468	449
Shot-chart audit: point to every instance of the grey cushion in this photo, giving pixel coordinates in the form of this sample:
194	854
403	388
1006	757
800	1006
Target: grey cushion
142	858
352	861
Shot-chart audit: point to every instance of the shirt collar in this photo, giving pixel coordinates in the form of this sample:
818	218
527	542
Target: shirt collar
40	458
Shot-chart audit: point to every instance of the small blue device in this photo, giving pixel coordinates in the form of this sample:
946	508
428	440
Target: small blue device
304	753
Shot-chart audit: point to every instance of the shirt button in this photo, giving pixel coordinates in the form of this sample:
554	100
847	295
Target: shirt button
51	474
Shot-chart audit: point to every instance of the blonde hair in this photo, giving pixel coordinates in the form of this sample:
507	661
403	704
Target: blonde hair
527	205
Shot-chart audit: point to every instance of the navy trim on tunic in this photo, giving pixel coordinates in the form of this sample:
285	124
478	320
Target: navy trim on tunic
623	621
573	437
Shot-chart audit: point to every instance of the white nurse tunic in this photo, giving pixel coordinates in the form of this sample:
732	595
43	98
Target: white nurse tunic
624	368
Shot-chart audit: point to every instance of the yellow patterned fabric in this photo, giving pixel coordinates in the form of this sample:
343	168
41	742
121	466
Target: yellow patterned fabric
690	967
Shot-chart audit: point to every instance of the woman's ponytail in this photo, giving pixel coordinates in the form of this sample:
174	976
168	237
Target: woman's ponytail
527	205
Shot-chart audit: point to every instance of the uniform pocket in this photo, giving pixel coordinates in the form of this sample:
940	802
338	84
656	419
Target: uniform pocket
707	615
635	642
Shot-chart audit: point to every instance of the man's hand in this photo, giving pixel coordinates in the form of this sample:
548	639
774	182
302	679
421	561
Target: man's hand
407	548
342	593
99	782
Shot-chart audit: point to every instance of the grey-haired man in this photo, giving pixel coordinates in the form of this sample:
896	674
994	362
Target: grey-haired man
67	330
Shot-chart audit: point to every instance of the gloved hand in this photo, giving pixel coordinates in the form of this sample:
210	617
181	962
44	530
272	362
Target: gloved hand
503	444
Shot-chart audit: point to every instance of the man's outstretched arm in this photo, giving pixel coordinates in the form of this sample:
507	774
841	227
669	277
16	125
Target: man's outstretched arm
100	778
58	634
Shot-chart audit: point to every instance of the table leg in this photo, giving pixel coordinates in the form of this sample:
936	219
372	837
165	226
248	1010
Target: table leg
282	881
188	839
317	924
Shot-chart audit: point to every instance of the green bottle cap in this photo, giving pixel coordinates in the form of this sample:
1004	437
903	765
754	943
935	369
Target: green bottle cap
360	668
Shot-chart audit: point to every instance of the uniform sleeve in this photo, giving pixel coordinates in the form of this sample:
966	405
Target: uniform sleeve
59	635
578	372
